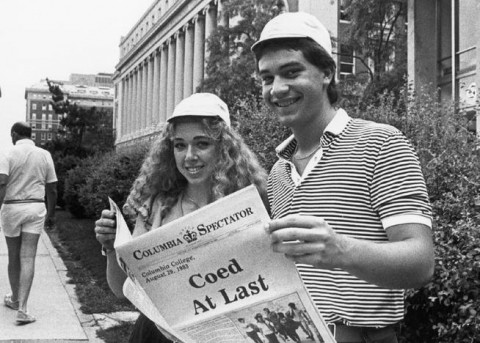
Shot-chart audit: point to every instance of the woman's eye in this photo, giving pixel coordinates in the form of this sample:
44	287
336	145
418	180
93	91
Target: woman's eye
179	146
203	144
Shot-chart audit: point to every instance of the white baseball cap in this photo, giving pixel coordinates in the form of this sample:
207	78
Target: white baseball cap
296	25
202	105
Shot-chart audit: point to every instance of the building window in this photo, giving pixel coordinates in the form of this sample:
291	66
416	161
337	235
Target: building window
49	136
34	106
42	136
455	74
50	108
34	117
343	7
44	107
34	135
347	61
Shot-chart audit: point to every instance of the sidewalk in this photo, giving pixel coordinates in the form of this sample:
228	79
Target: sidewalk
52	301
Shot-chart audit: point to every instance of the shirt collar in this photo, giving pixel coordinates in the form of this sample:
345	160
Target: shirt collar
24	141
335	127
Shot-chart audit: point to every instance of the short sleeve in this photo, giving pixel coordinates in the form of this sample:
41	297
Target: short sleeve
398	186
51	175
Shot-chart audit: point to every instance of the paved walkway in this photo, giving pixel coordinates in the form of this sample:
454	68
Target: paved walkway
52	302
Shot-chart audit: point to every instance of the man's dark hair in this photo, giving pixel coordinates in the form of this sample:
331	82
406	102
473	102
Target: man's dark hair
312	52
22	129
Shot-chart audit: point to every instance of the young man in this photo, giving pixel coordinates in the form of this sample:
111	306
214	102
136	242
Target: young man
27	175
347	196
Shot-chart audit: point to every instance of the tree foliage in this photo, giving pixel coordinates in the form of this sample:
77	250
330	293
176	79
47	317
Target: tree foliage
82	128
231	65
377	33
83	132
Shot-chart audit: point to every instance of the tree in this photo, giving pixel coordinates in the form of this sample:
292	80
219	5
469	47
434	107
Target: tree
230	67
231	74
84	132
377	32
84	128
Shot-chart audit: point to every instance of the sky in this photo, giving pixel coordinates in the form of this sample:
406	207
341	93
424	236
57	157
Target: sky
56	38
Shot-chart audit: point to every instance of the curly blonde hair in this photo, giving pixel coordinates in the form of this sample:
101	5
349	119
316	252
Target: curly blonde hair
236	167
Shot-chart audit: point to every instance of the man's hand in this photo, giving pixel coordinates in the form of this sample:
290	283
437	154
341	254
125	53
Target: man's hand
50	222
106	230
308	240
406	260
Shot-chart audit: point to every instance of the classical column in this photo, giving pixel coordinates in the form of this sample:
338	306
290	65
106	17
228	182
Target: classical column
156	87
122	108
144	114
131	102
138	99
198	52
171	77
223	20
188	65
150	90
221	14
133	99
163	82
179	60
127	104
210	25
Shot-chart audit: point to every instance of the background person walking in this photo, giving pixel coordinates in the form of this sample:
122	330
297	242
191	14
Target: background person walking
27	175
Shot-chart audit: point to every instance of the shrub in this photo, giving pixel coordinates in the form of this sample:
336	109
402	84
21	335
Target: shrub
446	309
112	177
260	129
75	179
62	165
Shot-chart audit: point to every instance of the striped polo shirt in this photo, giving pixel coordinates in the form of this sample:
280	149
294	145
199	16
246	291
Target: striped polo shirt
365	178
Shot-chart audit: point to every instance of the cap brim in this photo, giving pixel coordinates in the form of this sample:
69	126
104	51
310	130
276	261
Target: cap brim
261	42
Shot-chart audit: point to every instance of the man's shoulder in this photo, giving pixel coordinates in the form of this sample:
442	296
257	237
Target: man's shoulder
372	127
40	151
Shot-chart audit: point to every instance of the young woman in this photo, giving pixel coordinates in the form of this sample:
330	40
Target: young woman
197	159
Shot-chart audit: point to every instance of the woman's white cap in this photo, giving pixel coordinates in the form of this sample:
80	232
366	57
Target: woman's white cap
202	105
295	25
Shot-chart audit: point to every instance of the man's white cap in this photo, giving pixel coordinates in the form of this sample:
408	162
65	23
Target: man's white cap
296	25
202	105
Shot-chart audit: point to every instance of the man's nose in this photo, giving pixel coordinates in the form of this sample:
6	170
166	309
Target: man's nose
279	87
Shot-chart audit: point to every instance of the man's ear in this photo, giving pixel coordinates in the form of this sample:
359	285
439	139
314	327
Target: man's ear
329	74
327	78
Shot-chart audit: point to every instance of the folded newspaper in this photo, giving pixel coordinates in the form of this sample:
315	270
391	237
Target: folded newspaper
211	275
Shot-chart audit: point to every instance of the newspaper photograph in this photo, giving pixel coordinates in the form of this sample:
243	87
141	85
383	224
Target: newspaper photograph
211	276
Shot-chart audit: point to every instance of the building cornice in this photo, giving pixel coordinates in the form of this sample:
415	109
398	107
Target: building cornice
172	21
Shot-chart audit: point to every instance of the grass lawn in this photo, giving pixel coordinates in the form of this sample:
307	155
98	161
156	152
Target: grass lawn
75	242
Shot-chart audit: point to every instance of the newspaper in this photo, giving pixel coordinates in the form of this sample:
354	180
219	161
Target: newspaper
206	277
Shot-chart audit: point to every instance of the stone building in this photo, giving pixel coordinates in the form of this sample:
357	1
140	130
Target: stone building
162	60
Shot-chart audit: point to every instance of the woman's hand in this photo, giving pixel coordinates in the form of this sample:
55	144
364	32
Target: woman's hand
106	229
